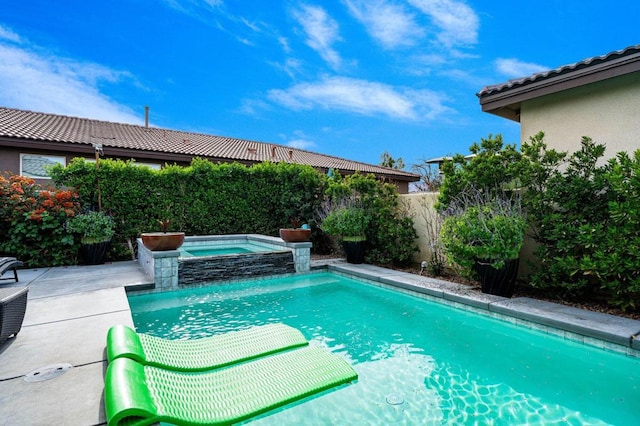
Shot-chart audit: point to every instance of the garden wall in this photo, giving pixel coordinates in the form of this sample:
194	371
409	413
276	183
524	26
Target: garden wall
421	208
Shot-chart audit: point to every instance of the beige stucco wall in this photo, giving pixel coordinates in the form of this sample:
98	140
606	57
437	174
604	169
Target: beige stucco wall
426	223
607	111
421	208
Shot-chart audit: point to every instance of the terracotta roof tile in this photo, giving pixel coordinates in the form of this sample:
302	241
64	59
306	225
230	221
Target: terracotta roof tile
565	69
29	125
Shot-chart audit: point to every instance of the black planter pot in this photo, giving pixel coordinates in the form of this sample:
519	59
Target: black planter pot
354	251
94	253
499	282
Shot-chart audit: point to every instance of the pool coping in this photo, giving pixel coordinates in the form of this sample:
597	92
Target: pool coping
598	329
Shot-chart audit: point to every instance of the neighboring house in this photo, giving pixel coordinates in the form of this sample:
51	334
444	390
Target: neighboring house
598	97
30	140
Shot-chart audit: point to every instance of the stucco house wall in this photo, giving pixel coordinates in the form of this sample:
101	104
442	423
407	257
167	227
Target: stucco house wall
607	111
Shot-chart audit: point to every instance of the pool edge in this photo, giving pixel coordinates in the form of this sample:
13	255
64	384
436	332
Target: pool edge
597	329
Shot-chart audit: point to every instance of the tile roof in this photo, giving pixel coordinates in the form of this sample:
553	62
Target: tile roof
631	52
21	125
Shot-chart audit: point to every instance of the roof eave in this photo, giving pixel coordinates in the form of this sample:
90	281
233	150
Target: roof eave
87	150
506	102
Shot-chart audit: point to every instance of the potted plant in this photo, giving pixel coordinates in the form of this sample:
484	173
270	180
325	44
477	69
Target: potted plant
96	230
162	241
483	234
350	225
297	233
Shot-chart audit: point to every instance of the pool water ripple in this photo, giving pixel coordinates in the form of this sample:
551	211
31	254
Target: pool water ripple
448	366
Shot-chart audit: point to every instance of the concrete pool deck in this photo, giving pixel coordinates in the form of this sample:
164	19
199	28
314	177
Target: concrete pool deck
70	309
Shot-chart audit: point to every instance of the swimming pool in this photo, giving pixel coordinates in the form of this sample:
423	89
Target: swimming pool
419	362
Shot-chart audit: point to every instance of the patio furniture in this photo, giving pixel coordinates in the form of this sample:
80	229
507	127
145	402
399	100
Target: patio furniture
7	264
136	394
201	354
13	304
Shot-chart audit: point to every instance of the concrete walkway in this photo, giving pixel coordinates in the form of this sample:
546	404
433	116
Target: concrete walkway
70	309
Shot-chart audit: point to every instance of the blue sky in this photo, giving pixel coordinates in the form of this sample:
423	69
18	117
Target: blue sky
350	78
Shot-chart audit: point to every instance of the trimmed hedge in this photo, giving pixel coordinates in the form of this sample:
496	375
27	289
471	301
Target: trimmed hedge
201	199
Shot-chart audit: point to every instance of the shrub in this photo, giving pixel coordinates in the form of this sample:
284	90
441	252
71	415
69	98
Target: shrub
93	227
564	206
391	237
349	223
493	167
32	222
481	226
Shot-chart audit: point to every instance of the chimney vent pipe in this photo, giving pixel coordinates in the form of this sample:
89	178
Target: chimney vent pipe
146	116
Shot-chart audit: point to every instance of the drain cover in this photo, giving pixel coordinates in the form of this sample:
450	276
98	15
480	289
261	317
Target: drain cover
394	399
46	373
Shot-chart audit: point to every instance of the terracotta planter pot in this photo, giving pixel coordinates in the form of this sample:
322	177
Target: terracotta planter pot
295	235
162	241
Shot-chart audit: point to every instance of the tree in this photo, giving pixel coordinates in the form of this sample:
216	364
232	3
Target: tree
430	176
386	160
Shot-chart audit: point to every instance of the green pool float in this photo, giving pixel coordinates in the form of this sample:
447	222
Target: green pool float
136	394
202	354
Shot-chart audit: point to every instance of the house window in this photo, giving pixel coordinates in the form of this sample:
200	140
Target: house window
36	165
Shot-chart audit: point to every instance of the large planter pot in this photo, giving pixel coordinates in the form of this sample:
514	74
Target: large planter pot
162	241
94	253
354	250
499	282
295	235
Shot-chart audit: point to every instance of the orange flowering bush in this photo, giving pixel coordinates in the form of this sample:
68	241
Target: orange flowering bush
32	222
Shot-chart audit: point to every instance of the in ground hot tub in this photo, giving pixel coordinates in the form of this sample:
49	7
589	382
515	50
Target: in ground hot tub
203	259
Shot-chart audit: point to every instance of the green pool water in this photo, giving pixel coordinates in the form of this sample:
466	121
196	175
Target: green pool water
419	362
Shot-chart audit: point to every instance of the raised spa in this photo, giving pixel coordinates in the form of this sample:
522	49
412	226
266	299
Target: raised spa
223	257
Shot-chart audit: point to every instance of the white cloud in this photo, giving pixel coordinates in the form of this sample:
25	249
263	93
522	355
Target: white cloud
301	144
458	23
322	32
300	140
9	35
389	23
360	97
30	80
515	68
284	42
193	7
291	66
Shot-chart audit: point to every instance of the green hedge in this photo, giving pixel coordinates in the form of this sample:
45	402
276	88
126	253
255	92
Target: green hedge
201	199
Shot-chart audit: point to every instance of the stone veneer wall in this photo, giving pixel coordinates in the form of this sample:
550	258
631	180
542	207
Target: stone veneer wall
223	268
168	269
